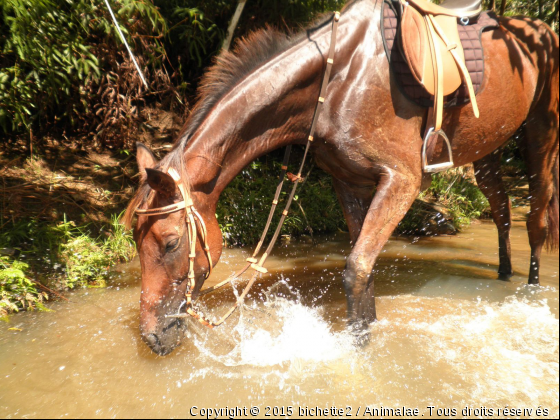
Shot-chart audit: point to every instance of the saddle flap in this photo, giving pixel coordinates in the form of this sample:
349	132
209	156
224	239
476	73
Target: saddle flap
415	45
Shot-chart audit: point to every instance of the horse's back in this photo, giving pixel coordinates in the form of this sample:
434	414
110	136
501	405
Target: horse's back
386	127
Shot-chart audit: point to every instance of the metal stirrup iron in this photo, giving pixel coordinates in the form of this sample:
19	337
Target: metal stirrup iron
437	167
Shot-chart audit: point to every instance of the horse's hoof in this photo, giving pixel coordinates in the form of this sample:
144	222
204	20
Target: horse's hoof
360	333
362	339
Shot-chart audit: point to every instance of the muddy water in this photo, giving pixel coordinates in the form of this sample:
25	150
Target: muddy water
450	335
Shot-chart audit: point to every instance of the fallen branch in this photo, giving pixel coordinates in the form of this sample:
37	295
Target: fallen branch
42	286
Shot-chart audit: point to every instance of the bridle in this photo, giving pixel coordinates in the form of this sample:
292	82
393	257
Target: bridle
195	222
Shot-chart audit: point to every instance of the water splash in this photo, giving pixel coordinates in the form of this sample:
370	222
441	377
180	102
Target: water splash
493	353
280	330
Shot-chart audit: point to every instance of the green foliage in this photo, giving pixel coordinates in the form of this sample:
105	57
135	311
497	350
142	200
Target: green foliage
61	61
87	262
34	240
546	10
89	259
196	31
451	203
291	13
53	52
197	28
68	255
244	205
119	242
457	191
460	195
42	60
16	290
317	206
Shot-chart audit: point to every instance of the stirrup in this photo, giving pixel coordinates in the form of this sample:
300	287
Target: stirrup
438	167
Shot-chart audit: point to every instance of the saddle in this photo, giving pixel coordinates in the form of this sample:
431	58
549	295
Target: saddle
430	42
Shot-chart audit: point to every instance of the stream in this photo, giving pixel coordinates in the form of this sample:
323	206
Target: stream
450	336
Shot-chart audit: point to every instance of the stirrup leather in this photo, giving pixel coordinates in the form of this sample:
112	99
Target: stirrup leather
437	167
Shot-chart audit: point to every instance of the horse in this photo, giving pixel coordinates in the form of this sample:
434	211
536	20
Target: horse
368	138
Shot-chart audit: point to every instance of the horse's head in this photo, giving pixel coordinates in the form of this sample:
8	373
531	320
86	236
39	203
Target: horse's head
177	238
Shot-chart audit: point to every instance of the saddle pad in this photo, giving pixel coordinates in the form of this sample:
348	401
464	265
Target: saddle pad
472	46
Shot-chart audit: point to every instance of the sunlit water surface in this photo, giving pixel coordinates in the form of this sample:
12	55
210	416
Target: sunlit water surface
449	335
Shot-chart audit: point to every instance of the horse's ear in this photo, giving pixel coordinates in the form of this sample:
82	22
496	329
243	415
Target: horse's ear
161	182
145	159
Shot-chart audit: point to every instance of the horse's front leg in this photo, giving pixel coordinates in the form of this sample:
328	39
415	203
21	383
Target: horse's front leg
395	194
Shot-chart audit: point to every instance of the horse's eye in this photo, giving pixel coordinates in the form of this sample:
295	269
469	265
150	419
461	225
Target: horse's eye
172	245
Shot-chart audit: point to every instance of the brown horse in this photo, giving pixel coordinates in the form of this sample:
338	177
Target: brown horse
369	137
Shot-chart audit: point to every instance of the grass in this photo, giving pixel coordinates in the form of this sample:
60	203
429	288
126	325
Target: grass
60	255
451	203
88	259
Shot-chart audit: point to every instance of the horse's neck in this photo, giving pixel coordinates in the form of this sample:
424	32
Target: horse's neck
269	109
265	112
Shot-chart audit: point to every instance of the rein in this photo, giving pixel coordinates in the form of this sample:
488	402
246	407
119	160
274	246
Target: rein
196	225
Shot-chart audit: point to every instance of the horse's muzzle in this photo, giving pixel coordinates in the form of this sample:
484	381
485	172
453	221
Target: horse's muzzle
163	341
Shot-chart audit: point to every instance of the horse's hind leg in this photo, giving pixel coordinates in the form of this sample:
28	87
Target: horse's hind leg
395	193
489	179
540	152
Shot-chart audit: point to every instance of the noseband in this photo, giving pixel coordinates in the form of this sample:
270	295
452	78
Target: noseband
195	221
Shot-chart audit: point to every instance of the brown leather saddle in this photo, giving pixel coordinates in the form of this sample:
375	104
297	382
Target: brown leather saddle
430	41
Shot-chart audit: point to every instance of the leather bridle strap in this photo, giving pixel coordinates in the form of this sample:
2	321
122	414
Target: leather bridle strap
253	259
253	262
162	210
193	217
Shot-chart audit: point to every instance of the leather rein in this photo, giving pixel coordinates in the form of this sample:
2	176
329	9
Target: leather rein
196	225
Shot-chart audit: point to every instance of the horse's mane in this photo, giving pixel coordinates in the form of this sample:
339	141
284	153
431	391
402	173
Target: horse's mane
229	68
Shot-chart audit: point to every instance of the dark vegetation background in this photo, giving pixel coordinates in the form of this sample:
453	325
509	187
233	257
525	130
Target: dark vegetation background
72	107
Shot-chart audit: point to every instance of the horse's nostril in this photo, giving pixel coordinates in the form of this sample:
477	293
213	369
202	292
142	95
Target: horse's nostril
151	340
162	341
